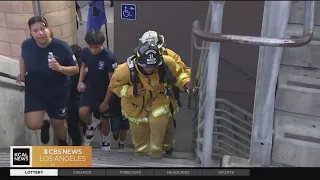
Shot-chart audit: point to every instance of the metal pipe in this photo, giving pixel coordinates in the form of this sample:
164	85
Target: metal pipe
234	125
194	44
263	41
41	7
211	82
233	116
35	3
234	106
245	146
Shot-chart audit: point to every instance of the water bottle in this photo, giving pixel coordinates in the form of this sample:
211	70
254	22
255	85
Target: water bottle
50	57
82	86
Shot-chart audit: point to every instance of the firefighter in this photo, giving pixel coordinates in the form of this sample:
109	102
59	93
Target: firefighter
158	39
153	36
144	85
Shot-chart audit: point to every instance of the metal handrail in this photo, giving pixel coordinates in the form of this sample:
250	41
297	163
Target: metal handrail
294	41
205	123
263	41
234	106
2	74
7	76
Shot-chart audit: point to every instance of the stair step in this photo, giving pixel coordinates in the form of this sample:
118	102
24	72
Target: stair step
234	161
124	158
116	157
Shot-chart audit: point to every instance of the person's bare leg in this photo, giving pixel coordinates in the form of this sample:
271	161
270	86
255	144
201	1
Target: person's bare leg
34	121
105	130
60	130
86	117
123	137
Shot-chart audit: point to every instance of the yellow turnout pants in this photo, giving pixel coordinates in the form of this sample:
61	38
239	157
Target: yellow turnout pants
169	136
148	138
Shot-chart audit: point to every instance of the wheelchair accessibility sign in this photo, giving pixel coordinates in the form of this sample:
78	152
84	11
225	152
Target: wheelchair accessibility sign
128	11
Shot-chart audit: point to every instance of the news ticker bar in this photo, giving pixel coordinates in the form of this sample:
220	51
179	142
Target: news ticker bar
129	172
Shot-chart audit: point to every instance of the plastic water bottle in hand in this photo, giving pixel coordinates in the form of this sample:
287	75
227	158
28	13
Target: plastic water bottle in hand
50	57
82	86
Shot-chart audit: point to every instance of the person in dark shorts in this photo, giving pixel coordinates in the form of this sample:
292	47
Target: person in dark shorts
95	95
44	66
73	119
119	124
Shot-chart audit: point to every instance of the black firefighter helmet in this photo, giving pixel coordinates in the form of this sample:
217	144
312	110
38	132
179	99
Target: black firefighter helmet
148	54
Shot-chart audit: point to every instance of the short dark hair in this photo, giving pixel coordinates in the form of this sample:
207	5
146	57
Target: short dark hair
40	19
36	19
94	37
76	49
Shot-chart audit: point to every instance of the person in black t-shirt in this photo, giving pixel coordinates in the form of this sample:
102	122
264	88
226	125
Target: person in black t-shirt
73	118
95	95
45	64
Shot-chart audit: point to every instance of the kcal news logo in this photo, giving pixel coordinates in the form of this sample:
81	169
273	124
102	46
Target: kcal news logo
20	156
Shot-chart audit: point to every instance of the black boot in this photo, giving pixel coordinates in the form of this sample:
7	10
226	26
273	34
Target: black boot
45	134
63	142
169	152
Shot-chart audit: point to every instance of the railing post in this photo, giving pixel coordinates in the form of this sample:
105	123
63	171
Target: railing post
275	20
211	83
274	26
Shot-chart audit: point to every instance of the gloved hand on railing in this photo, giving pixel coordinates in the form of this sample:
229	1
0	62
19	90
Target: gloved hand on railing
187	88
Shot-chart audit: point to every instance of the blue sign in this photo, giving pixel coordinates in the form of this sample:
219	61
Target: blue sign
128	11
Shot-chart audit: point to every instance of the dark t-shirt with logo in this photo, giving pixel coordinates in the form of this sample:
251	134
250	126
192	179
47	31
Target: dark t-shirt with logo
40	78
99	67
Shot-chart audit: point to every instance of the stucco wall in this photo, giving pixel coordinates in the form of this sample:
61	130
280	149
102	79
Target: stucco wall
61	17
14	15
13	26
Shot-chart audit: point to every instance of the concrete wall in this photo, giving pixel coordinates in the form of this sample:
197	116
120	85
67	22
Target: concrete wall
173	19
297	126
237	68
12	128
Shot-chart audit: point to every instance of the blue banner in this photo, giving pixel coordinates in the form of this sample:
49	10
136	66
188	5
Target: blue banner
96	15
